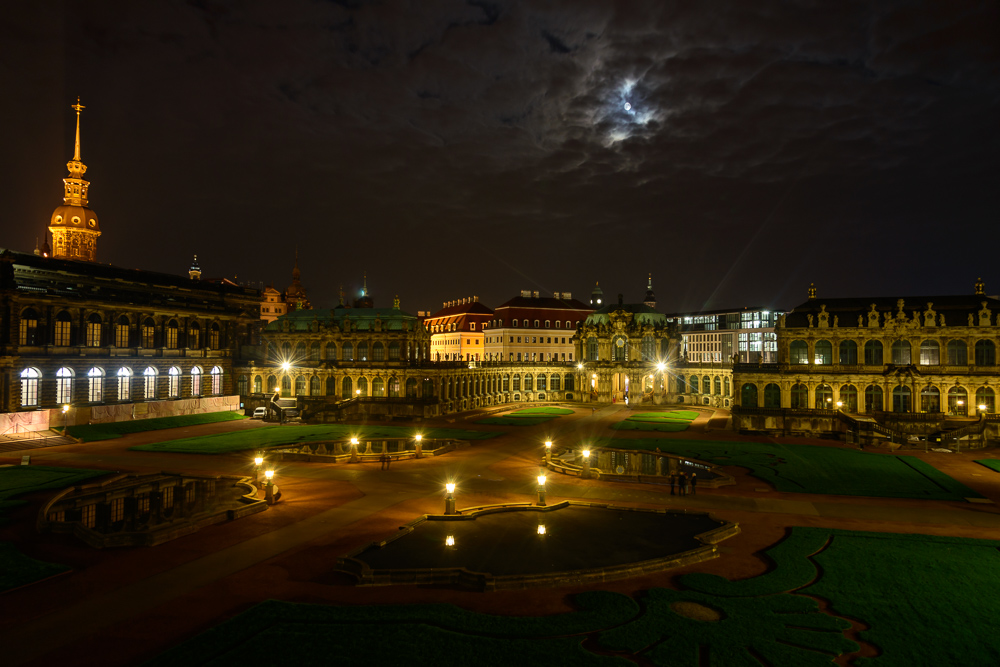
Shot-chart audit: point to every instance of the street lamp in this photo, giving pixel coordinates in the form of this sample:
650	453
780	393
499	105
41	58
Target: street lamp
982	408
419	438
257	462
449	501
548	451
449	541
586	464
269	488
65	411
541	529
354	450
541	490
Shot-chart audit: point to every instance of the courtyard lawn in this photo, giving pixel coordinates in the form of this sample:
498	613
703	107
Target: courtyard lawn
16	569
544	410
902	588
526	417
992	464
666	422
91	432
277	436
816	469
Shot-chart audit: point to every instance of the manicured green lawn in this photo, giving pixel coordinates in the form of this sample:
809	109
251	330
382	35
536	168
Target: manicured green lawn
666	422
544	410
992	464
512	420
275	436
91	432
925	601
816	469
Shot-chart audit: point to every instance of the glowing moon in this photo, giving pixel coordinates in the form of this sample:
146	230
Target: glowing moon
628	106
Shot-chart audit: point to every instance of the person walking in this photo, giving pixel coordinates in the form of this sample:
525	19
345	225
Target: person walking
381	459
388	460
673	483
694	483
682	482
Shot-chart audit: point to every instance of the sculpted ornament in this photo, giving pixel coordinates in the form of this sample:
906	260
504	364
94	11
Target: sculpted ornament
873	318
823	317
985	315
930	317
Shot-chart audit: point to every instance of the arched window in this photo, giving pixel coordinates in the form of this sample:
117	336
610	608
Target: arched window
930	353
94	330
824	397
300	386
848	353
592	349
363	351
619	348
272	384
242	384
378	351
393	386
64	324
286	351
648	348
173	382
29	387
331	386
515	322
506	382
194	335
64	385
958	401
681	385
147	332
346	388
930	399
214	336
517	383
216	380
798	352
124	383
96	381
121	332
558	324
362	386
717	386
540	382
748	396
554	384
873	398
901	398
536	324
411	388
527	382
196	381
772	396
149	383
29	327
849	398
958	353
873	353
300	351
394	351
800	396
693	383
725	386
900	357
986	353
823	354
315	387
331	352
568	382
171	331
258	387
706	385
986	400
347	353
314	352
286	385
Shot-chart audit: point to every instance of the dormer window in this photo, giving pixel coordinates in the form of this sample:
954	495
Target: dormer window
472	326
515	322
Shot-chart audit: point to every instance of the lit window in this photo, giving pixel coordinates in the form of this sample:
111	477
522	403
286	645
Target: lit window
196	381
149	383
64	385
29	387
95	392
124	383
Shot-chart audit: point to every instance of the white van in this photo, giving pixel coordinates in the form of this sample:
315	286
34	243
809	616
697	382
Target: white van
259	413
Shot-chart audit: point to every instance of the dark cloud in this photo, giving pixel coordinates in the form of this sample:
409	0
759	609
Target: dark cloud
452	148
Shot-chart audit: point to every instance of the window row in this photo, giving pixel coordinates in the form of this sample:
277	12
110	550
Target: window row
121	334
527	324
956	353
390	387
847	399
705	385
65	379
348	351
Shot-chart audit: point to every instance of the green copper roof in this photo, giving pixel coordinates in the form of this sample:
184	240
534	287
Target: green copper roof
362	319
641	314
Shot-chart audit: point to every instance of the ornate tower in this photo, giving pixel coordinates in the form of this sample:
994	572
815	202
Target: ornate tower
195	271
73	225
597	296
295	295
650	299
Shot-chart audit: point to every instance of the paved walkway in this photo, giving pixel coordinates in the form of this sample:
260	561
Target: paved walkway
486	471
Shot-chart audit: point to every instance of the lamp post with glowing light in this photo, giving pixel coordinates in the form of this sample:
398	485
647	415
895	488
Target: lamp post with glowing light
269	487
420	443
65	411
354	450
586	464
258	461
548	451
982	408
449	501
541	490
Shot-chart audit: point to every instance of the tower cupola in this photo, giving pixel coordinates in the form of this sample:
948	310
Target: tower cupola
74	225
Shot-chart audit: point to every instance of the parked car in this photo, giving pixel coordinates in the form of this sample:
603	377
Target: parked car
259	413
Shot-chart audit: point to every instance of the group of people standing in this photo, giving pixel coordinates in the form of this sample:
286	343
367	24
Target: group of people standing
684	483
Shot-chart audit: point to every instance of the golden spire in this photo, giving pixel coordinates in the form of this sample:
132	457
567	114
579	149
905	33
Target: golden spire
74	225
78	107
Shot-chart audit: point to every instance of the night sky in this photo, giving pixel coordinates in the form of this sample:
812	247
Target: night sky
460	148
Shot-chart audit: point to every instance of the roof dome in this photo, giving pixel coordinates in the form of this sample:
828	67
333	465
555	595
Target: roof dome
74	217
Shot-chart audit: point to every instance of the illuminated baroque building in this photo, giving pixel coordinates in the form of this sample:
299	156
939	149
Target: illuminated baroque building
627	351
533	328
111	343
274	304
896	361
457	330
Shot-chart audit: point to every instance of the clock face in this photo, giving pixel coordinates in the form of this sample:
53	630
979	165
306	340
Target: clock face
620	342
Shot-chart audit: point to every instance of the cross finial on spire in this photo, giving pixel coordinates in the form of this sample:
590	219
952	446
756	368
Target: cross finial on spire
78	108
